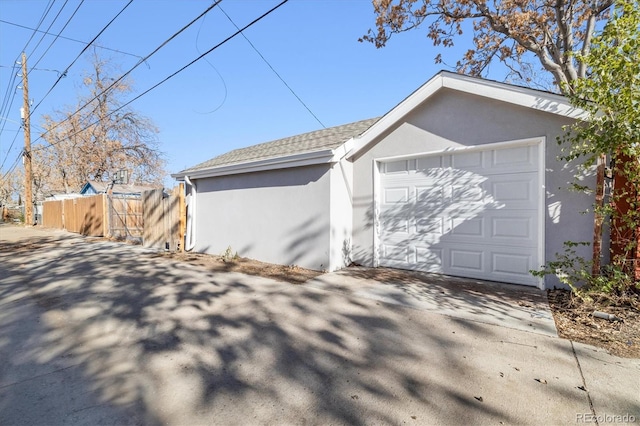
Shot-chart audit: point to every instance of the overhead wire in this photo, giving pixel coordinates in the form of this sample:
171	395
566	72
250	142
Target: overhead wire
10	146
48	28
142	60
57	35
11	94
13	166
64	73
45	52
224	83
70	39
273	69
42	147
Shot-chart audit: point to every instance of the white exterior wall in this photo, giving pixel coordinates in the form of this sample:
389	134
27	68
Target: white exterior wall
450	119
341	214
278	216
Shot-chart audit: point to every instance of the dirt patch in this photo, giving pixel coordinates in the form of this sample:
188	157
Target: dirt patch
290	274
575	321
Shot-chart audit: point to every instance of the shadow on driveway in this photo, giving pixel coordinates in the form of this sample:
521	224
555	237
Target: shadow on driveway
98	332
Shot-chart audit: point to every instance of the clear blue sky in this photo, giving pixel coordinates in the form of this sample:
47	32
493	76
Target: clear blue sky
201	113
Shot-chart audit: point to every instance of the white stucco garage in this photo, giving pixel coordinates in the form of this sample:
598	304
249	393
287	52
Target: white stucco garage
460	178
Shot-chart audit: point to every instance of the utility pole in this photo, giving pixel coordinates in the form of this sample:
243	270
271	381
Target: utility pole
28	193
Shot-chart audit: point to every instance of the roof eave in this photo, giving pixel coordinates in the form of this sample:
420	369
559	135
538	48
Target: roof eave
324	156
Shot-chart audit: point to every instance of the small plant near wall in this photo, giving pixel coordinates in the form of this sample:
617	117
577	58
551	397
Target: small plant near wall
229	255
576	273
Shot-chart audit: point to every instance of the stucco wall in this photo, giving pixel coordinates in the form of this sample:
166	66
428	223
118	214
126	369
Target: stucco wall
341	214
455	119
279	216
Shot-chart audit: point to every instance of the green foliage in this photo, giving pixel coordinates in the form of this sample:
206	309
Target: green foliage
610	96
575	272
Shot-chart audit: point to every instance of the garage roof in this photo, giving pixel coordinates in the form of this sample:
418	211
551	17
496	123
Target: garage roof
318	142
324	146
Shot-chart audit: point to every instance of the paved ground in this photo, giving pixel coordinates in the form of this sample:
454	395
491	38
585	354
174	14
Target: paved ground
103	333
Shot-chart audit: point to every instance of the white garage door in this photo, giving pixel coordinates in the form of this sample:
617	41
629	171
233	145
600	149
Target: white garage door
467	213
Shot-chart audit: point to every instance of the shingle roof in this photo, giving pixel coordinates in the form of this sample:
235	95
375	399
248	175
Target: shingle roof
317	140
102	187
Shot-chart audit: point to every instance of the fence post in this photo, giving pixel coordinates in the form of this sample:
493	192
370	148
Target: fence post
182	215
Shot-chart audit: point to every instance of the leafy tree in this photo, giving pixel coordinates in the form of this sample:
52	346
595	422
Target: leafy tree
556	33
611	96
98	140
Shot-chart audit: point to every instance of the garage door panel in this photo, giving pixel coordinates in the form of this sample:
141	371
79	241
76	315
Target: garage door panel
429	259
396	167
511	263
430	163
515	159
395	225
396	253
467	193
519	227
468	228
472	214
430	225
468	161
396	195
514	191
465	260
431	197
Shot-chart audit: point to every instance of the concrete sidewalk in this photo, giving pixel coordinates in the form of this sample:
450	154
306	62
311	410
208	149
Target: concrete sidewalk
611	384
105	333
512	306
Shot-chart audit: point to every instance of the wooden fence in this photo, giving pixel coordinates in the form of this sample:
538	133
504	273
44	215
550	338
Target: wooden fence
83	215
52	214
156	219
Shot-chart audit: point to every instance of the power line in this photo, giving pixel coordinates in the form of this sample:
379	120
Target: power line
59	32
9	150
224	83
273	69
6	104
142	60
50	25
71	39
42	147
64	73
13	166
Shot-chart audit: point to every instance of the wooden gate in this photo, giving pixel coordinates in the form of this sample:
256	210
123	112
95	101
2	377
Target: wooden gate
164	219
125	217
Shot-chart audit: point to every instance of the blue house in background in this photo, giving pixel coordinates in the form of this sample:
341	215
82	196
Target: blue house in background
122	190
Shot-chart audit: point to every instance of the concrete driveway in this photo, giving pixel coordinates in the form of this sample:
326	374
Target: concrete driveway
101	333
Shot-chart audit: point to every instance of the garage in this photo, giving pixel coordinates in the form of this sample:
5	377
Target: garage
472	212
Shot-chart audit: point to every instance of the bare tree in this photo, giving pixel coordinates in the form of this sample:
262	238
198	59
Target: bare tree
99	139
513	32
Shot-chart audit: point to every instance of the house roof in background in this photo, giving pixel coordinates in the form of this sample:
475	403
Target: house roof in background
319	140
101	187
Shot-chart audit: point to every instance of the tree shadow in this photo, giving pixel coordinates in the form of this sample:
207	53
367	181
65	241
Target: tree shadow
461	220
156	341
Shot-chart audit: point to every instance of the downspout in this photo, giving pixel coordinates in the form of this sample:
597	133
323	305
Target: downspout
190	242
